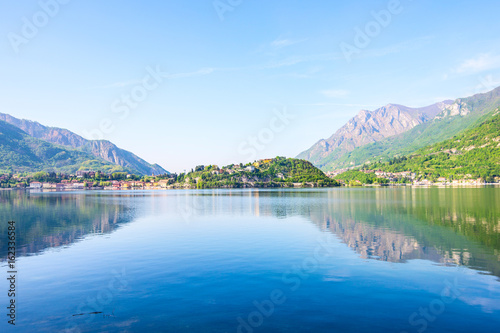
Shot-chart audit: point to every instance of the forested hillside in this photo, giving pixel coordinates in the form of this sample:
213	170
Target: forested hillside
473	153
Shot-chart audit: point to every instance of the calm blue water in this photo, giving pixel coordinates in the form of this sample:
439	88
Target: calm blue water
335	260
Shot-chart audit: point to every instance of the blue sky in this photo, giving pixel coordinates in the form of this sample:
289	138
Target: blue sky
236	79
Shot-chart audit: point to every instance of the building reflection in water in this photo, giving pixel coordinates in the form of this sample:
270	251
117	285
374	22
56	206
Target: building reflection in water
447	226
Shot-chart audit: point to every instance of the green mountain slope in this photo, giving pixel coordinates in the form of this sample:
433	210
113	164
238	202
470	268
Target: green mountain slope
100	149
461	115
472	154
20	152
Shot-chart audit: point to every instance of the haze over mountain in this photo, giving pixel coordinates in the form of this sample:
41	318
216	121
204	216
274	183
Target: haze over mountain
395	129
98	150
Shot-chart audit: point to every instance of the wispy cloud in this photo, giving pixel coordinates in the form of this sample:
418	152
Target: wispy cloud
408	45
201	72
314	72
280	42
292	60
275	48
335	93
121	84
340	104
297	59
332	116
285	62
479	63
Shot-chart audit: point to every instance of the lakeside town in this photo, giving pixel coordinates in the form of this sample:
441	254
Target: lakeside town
273	172
248	176
406	178
82	180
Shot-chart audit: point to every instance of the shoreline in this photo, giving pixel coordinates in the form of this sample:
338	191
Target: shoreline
263	188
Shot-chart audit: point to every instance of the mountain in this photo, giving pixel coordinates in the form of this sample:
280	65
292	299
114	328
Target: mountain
351	145
20	152
100	149
369	127
473	153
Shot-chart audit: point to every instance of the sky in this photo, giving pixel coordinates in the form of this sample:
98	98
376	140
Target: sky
185	83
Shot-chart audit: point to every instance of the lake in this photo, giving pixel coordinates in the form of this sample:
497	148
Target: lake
290	260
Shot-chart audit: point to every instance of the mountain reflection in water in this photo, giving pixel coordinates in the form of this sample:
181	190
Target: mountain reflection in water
49	220
448	226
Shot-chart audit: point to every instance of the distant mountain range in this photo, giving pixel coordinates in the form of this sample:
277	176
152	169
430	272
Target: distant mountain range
29	146
395	130
474	153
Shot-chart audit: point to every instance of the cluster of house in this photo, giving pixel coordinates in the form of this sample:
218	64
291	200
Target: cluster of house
63	185
411	177
85	174
114	185
139	185
15	181
394	177
445	181
80	184
237	168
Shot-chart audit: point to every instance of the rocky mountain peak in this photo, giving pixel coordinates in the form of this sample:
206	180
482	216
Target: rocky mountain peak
372	126
397	126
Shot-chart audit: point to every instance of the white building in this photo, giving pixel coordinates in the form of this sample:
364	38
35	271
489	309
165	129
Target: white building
36	185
